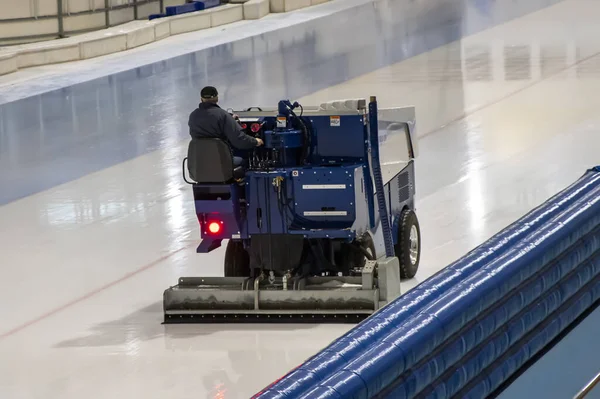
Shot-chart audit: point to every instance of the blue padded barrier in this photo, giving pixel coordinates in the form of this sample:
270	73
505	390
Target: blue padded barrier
506	336
186	8
364	338
181	9
206	4
496	375
431	330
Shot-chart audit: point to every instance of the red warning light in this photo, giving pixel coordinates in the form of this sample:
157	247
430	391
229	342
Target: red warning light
214	227
255	127
244	126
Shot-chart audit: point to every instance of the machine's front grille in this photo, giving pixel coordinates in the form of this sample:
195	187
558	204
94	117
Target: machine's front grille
403	179
403	185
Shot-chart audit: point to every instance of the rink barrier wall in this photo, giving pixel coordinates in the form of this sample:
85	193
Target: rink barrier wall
23	21
468	328
256	9
138	33
8	62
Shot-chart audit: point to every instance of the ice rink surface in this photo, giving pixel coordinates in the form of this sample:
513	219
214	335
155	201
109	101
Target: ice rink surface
96	223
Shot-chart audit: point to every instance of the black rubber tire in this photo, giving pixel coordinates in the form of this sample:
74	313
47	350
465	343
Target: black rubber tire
408	268
237	260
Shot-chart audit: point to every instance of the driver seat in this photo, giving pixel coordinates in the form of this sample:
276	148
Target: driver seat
210	161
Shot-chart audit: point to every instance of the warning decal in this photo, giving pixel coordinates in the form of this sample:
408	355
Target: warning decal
281	121
334	120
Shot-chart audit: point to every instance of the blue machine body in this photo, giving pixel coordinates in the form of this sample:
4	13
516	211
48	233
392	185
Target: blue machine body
314	202
328	194
320	221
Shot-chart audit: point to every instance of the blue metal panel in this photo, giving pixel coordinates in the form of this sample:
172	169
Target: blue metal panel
338	143
214	206
304	204
221	204
266	214
324	197
283	139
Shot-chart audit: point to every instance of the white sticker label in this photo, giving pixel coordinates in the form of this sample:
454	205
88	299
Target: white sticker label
281	122
325	213
323	186
334	121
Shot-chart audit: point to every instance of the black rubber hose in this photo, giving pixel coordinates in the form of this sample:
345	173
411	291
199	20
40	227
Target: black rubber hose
307	140
366	253
378	178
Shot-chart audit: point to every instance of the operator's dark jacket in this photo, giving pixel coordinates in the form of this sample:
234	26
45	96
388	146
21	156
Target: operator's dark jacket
210	120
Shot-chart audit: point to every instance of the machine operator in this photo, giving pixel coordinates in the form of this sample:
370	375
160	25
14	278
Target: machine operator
210	120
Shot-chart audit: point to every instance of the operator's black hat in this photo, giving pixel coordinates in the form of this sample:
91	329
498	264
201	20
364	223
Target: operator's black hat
209	92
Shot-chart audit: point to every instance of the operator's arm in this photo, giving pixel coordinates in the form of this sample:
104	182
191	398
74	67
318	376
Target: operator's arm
191	125
235	135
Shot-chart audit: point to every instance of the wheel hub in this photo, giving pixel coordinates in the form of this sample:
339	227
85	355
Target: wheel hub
414	244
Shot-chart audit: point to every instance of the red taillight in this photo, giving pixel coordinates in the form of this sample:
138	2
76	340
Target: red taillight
255	127
214	227
244	126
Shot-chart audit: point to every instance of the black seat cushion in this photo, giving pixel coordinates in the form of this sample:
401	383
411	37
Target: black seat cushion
210	161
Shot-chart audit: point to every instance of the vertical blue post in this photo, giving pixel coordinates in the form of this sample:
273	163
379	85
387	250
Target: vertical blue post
376	165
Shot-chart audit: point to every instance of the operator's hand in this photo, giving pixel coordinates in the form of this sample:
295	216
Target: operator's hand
259	142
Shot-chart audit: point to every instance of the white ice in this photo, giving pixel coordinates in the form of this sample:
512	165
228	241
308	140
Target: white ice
81	314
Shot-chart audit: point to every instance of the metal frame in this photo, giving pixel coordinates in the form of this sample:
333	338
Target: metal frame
312	111
241	299
588	388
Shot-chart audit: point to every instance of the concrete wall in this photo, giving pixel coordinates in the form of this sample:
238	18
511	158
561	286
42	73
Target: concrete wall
23	21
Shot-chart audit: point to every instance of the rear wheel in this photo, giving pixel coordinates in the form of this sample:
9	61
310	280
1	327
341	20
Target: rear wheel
237	260
408	248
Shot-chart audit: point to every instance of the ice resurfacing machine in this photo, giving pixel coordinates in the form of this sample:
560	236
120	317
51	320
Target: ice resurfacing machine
320	222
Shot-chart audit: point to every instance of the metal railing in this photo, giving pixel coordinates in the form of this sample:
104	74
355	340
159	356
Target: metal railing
588	388
63	13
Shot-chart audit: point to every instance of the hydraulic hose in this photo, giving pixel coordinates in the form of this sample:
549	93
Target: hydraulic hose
376	167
